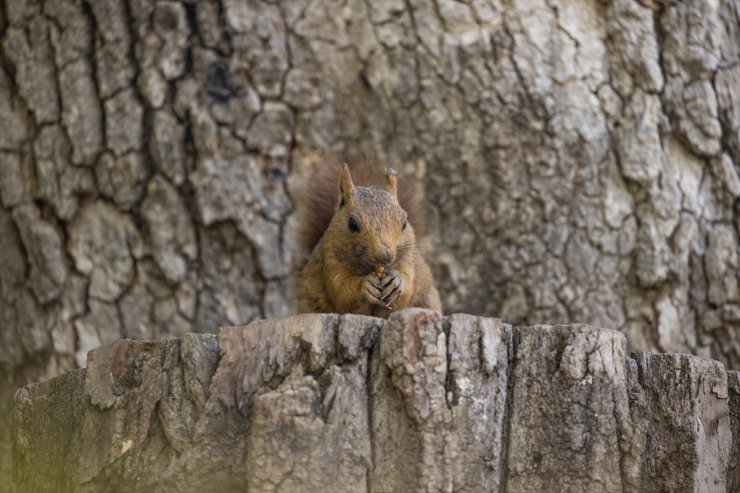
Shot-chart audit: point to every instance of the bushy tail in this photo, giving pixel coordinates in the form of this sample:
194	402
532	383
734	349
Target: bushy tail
317	199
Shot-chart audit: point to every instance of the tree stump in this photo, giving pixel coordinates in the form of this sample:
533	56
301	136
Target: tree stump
350	403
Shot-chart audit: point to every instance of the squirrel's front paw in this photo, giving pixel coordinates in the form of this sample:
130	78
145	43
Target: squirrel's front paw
371	290
391	287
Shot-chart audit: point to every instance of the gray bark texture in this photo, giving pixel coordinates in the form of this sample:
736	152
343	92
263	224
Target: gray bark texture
579	160
350	403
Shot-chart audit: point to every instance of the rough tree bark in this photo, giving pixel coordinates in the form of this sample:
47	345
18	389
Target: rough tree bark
584	154
351	403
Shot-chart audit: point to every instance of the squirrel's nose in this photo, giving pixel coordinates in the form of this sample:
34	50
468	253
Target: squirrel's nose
385	257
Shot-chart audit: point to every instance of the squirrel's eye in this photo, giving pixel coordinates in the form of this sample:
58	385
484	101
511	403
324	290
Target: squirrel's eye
352	225
405	223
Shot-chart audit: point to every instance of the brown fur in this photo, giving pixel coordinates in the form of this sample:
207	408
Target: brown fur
342	260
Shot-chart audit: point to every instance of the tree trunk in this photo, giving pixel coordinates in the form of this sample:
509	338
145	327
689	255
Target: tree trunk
417	403
579	160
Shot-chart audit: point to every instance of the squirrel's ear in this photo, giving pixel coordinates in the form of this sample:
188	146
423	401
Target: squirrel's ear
389	183
346	187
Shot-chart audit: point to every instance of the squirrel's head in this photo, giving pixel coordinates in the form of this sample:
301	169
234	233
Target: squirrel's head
369	226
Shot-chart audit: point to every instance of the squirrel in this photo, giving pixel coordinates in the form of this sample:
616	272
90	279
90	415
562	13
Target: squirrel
364	258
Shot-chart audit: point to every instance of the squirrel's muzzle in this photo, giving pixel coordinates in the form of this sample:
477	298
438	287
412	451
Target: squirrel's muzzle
382	255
